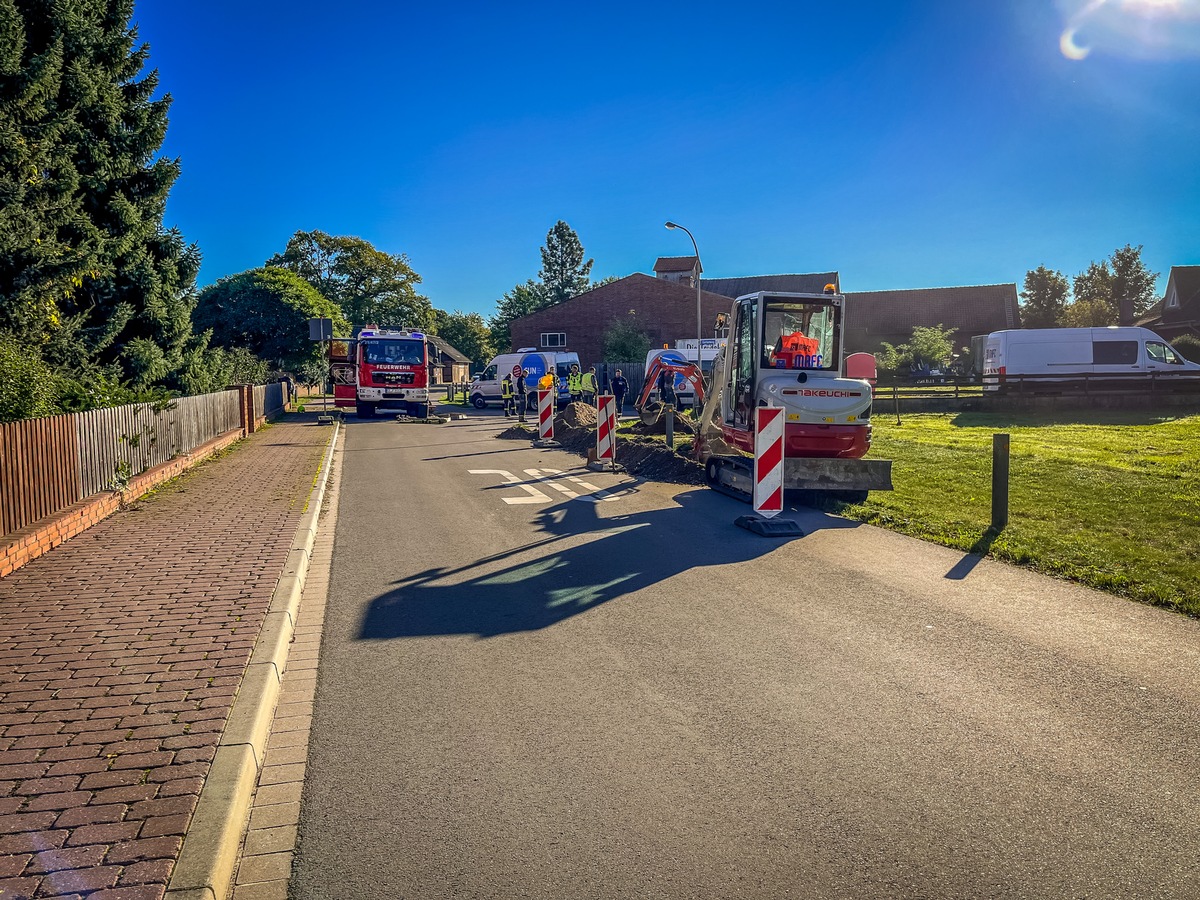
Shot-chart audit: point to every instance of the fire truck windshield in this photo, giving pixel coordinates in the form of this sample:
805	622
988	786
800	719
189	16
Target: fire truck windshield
394	353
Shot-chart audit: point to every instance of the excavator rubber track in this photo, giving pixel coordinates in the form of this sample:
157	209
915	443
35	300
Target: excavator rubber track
731	475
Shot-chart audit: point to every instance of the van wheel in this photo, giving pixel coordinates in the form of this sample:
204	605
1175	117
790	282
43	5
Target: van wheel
478	402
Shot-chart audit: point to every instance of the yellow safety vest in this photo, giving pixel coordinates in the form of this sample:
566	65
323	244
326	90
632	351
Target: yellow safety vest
589	382
574	383
506	388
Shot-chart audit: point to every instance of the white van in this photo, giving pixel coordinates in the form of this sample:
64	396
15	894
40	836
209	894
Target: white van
1065	354
485	387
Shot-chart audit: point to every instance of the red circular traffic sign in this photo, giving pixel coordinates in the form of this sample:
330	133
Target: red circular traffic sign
517	371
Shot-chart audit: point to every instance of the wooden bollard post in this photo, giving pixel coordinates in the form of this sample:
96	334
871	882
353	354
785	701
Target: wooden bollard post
999	481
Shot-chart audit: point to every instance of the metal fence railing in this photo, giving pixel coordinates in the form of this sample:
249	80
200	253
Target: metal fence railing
48	464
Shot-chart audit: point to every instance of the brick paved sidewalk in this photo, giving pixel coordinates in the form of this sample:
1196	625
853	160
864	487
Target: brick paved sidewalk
120	654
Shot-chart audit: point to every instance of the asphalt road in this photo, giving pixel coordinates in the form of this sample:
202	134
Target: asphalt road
622	694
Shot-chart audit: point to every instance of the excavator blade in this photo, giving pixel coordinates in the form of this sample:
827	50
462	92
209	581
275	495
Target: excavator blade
837	474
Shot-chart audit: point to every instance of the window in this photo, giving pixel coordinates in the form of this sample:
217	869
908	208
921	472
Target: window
554	339
1172	299
798	335
1115	353
1162	353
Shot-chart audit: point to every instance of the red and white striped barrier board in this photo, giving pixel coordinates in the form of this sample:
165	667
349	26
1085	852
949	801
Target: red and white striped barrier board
768	461
606	428
546	415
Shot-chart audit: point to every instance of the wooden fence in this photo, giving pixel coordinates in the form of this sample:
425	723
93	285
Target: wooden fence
48	464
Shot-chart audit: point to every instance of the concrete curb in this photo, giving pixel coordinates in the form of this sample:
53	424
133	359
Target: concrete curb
209	854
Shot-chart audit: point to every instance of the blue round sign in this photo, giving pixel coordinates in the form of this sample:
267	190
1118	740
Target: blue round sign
535	365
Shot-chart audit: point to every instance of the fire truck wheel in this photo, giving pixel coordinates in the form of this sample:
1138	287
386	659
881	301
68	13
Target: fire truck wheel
420	410
479	402
364	410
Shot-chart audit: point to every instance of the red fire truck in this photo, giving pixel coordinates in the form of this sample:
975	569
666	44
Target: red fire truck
383	369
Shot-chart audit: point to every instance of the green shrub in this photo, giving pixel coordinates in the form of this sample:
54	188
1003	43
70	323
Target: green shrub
1188	346
28	387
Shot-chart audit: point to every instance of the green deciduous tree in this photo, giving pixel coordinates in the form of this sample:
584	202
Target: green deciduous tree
520	301
369	286
87	270
1103	287
1044	297
1088	313
625	341
1131	280
468	334
931	346
564	273
266	311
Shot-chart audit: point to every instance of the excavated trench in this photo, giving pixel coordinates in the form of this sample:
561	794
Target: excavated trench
640	455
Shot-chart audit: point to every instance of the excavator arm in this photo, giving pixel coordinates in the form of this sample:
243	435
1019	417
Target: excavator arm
689	371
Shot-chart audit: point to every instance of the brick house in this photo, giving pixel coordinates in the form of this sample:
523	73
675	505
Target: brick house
1178	313
664	309
452	367
873	317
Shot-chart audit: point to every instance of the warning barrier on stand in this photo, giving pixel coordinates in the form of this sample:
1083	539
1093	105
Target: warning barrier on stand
606	428
768	461
546	415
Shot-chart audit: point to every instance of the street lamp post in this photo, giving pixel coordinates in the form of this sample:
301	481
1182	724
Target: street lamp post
699	326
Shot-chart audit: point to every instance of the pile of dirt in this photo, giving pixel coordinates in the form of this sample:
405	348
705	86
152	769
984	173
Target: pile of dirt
519	432
684	424
576	415
652	460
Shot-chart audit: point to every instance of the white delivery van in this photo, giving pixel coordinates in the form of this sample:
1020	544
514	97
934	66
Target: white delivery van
485	387
1056	355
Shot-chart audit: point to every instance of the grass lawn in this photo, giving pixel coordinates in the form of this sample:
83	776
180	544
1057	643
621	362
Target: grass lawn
1111	500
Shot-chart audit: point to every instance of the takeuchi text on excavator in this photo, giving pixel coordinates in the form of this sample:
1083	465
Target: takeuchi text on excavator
785	350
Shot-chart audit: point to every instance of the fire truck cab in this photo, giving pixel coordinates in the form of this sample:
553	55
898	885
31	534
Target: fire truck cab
393	372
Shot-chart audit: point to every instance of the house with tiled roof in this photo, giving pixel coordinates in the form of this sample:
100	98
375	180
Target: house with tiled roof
875	317
452	366
813	283
682	269
1178	313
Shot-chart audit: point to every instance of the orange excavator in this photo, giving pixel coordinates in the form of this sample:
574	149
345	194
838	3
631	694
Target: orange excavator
651	410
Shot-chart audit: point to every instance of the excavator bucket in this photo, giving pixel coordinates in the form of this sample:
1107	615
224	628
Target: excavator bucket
651	413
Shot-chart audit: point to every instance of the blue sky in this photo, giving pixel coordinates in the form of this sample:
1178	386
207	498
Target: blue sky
905	145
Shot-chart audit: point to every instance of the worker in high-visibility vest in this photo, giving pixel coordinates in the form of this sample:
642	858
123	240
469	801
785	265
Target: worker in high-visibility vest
589	385
506	395
575	384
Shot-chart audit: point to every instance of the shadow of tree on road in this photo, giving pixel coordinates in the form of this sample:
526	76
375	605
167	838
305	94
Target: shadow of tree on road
537	585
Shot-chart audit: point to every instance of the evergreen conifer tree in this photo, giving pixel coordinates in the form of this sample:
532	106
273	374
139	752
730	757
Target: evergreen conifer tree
87	270
564	274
